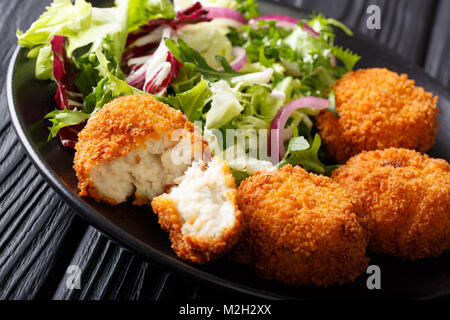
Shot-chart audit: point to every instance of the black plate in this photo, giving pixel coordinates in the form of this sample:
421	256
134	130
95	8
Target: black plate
137	227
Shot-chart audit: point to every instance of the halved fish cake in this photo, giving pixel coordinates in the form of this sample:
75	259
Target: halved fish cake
201	213
134	146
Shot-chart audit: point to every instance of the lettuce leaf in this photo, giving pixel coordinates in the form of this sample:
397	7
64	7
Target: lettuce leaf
191	102
61	18
263	45
65	118
239	176
301	152
348	58
194	60
141	11
82	24
224	107
249	8
109	88
209	39
324	25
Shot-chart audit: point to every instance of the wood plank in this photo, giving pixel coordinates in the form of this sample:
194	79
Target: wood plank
37	228
13	15
437	62
39	233
111	272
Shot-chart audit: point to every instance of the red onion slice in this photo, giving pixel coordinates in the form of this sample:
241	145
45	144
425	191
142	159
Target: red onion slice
276	143
218	12
240	58
283	21
310	30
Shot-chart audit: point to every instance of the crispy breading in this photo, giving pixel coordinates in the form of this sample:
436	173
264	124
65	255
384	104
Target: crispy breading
406	195
378	109
121	126
193	247
301	228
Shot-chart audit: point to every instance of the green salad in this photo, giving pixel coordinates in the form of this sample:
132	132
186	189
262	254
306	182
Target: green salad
251	84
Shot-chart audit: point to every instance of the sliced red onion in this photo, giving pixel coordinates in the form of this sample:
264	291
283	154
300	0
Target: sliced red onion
310	30
219	12
283	21
276	143
240	58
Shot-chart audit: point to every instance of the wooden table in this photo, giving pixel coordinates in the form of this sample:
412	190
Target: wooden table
40	235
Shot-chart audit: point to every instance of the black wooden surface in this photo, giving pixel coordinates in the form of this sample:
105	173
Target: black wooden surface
40	235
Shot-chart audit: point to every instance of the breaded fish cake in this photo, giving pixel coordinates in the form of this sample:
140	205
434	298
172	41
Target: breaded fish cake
301	228
378	109
406	195
130	148
200	212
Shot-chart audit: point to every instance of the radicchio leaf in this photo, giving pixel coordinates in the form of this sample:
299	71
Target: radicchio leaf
164	76
193	14
134	48
67	95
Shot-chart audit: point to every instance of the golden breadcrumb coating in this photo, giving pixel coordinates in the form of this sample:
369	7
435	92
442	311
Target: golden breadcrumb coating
195	248
301	228
378	109
406	196
122	125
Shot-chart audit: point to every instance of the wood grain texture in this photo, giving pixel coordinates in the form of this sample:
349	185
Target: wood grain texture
40	235
111	272
37	229
437	62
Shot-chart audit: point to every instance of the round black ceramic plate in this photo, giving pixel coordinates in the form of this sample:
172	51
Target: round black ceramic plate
137	227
